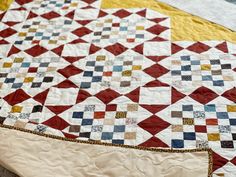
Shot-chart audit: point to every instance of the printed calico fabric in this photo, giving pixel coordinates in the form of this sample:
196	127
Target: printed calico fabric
71	69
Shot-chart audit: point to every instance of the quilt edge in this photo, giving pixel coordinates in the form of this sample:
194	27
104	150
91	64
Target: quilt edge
151	149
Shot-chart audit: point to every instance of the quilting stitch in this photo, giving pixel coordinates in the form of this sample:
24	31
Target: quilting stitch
113	75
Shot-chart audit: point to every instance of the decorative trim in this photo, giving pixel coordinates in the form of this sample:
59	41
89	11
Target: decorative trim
153	149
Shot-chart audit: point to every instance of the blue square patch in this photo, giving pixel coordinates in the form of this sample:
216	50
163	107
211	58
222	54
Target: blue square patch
210	108
78	115
222	115
177	143
107	135
189	136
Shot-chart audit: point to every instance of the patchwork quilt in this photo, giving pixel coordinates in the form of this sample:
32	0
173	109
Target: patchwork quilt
72	69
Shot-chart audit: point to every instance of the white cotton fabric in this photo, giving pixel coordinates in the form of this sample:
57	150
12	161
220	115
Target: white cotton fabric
30	155
217	11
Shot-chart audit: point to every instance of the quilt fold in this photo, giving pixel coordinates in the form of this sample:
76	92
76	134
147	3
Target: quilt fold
30	155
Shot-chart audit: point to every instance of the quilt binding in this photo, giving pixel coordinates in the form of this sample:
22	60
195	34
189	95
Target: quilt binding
152	149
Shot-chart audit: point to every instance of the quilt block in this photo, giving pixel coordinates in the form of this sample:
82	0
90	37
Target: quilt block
74	70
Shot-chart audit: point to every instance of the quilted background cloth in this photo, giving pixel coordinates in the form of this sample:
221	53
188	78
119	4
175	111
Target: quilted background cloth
26	152
121	72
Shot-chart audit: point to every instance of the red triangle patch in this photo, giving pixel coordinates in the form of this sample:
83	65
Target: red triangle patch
154	142
3	42
82	95
154	108
58	109
134	95
11	23
2	15
218	161
138	49
93	49
66	84
70	15
102	13
57	123
142	13
156	83
58	50
158	39
222	47
76	41
70	136
175	48
83	22
31	15
41	97
156	58
176	95
158	20
73	59
13	50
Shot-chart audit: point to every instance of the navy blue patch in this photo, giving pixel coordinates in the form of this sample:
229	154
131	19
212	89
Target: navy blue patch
185	58
85	85
222	115
119	128
9	80
232	121
117	141
207	78
98	68
186	68
107	135
227	144
87	122
97	79
189	136
187	78
77	115
88	73
177	144
175	73
187	107
218	83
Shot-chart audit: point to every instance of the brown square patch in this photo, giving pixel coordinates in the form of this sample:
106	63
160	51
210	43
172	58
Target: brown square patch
132	107
121	114
101	58
130	135
18	60
2	119
188	121
128	63
176	114
177	128
127	73
176	62
20	124
216	72
125	83
109	121
74	128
